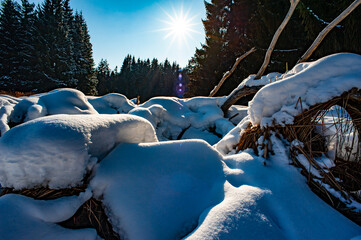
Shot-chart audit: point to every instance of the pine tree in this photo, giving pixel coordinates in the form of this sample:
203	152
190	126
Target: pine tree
83	56
68	22
52	52
27	74
103	75
9	44
215	57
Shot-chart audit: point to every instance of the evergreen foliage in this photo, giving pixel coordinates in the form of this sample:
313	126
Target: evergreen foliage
143	78
45	48
234	27
9	42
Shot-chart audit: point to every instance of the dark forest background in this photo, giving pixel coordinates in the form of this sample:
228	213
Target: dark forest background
48	46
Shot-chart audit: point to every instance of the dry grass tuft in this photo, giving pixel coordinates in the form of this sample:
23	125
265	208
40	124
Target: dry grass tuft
90	215
345	176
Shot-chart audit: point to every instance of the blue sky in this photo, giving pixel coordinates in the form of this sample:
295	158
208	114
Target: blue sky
121	27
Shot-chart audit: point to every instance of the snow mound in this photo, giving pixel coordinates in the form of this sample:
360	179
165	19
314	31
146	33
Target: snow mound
57	151
60	101
172	117
307	84
111	103
238	216
158	190
227	144
291	208
26	218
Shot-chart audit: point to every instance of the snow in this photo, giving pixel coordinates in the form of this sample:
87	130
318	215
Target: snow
111	104
194	133
229	141
26	218
60	101
171	189
311	83
158	190
236	113
58	150
238	217
251	82
289	205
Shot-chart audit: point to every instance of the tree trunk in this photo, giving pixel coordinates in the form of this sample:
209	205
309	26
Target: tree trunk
293	6
327	29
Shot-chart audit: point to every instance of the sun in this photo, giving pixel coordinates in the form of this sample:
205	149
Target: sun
179	26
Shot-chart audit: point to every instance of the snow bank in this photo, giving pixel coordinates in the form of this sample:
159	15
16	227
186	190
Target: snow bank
171	116
60	101
227	144
158	190
194	133
5	112
291	208
7	104
312	83
251	82
26	218
56	151
238	216
111	103
236	113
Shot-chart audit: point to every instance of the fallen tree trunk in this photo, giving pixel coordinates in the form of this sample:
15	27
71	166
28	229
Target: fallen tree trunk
238	94
327	29
293	6
229	73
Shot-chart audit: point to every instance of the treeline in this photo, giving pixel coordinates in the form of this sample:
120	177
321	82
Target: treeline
44	48
143	78
234	27
48	47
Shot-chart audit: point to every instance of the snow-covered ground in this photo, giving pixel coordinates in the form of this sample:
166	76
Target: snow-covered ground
151	168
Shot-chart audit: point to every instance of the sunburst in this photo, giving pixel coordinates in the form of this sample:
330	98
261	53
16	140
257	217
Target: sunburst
179	26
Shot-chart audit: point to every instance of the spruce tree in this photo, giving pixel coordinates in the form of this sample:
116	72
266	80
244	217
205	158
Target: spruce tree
9	44
27	74
52	49
83	56
103	75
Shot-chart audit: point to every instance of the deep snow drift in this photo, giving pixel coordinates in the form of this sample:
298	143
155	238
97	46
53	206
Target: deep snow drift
310	83
162	195
168	189
57	151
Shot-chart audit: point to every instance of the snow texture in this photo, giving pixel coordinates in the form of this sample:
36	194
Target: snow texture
60	101
278	201
26	218
158	190
174	189
251	82
169	116
227	144
309	83
236	113
111	104
57	151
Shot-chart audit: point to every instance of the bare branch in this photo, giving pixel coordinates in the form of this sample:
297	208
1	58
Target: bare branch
327	29
229	73
293	6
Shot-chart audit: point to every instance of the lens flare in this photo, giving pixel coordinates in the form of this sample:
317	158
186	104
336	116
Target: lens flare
179	26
